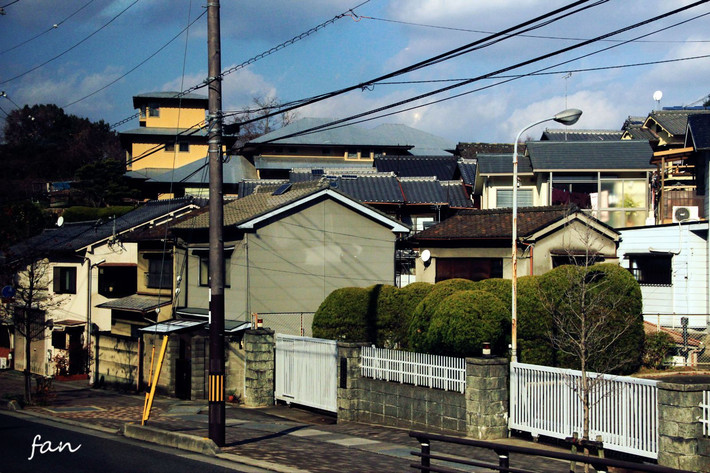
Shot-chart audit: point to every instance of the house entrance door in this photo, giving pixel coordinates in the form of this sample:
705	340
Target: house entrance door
183	369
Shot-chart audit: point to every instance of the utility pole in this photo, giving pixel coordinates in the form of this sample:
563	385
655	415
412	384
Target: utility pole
216	215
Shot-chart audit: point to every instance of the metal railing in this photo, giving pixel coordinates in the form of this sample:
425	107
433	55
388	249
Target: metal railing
705	417
430	462
623	410
420	369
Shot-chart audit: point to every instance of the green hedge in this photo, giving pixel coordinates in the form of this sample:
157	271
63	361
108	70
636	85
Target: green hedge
83	214
345	315
465	320
419	325
534	324
395	307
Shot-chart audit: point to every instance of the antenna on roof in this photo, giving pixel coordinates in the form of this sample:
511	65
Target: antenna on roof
657	96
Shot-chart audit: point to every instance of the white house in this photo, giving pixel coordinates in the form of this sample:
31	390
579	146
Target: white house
671	264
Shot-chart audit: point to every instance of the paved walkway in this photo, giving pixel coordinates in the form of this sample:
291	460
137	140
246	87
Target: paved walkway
277	438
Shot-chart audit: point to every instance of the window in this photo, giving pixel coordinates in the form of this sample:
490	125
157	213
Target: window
504	198
117	281
59	339
184	146
153	110
651	268
475	269
65	279
205	270
170	147
160	271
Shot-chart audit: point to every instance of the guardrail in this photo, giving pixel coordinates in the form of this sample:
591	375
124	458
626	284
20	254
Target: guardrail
504	453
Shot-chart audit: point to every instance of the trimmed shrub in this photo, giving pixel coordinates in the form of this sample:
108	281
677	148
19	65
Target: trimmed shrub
464	320
658	347
394	313
534	324
501	288
419	326
346	314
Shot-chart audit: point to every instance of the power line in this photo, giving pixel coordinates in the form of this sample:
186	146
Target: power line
546	18
53	27
72	47
260	56
563	38
334	123
137	65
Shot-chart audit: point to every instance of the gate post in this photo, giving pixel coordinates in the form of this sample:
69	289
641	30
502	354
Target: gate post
259	366
348	377
487	398
681	443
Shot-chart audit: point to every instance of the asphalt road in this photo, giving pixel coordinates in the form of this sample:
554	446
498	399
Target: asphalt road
36	445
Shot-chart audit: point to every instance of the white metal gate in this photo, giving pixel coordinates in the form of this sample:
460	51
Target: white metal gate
307	371
624	410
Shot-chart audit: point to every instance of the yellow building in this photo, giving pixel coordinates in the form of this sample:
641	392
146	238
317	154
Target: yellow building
172	132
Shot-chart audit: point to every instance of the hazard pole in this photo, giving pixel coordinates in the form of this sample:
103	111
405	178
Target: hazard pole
216	240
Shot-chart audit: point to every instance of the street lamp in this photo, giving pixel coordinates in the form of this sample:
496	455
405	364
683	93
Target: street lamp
566	117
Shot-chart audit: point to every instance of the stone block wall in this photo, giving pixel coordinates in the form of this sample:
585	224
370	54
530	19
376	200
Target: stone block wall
199	350
681	441
487	393
259	369
118	361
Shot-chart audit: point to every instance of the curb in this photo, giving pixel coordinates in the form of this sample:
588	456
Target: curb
177	440
276	467
62	420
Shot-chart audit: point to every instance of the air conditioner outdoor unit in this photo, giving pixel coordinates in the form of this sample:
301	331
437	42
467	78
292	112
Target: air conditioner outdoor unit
684	212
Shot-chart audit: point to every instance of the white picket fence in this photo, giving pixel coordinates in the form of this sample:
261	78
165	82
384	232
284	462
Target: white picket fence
705	417
420	369
547	401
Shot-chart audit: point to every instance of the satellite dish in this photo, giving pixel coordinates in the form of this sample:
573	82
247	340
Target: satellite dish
60	221
426	256
657	95
682	213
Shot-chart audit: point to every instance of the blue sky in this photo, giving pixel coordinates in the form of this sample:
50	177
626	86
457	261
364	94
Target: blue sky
94	47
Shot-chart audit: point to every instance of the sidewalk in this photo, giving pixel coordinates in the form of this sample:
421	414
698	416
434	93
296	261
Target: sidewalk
276	438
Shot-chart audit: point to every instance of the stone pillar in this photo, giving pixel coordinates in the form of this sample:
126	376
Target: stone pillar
259	367
487	398
681	443
349	391
199	365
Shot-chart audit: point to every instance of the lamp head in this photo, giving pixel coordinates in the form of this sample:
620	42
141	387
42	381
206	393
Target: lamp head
568	117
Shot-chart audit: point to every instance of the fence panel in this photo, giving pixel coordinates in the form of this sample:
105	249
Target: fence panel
623	410
307	371
420	369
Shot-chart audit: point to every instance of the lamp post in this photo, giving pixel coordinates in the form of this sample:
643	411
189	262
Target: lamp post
566	117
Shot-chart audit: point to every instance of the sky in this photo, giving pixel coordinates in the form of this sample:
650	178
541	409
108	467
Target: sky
103	52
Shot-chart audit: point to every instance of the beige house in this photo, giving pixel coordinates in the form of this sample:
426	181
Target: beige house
286	248
477	244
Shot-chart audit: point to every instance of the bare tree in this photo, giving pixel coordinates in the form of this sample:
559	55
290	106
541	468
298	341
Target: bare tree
27	314
255	120
595	311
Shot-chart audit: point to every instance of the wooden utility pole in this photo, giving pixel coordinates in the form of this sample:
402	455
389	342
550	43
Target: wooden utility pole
216	215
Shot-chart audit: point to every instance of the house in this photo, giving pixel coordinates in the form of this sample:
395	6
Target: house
172	133
286	248
670	263
609	178
477	244
309	143
85	265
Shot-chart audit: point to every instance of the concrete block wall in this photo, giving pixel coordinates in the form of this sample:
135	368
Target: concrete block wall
487	393
259	371
199	350
681	441
118	361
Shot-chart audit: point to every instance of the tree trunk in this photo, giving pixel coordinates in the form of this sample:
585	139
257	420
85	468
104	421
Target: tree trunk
28	352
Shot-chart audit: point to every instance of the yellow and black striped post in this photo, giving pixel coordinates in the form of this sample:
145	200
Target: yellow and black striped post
216	388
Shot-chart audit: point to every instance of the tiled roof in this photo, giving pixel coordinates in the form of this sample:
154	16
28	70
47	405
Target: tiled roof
471	150
494	224
170	97
136	303
590	155
443	167
455	194
260	202
563	134
370	189
699	132
248	186
467	170
674	121
74	236
639	133
285	162
422	190
502	164
677	337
